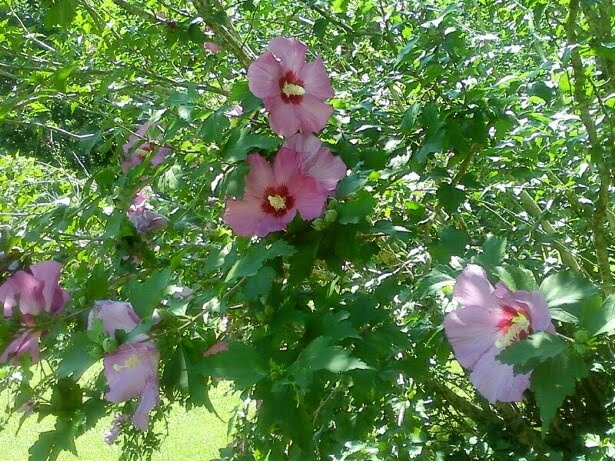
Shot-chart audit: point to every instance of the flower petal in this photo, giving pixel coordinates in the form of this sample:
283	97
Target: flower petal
286	166
473	289
313	114
537	305
264	76
472	331
290	51
243	216
29	290
27	343
497	381
305	144
160	155
128	370
115	315
259	178
316	80
148	401
283	117
326	168
49	273
310	197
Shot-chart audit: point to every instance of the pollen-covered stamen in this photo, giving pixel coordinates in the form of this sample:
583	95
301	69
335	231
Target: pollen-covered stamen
130	362
514	327
291	87
277	201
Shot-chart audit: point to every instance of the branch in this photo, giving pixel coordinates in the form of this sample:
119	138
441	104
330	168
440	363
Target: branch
599	218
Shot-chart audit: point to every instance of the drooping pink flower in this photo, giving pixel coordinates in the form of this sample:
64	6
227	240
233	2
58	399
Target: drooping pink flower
274	195
32	294
143	217
318	161
491	320
139	147
132	369
292	90
213	47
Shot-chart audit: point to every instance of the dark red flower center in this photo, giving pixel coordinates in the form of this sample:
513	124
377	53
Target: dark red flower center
291	88
514	325
277	201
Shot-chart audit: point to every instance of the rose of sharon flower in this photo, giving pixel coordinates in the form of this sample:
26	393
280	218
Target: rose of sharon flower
132	369
137	150
212	47
292	90
142	217
32	294
274	195
318	161
491	320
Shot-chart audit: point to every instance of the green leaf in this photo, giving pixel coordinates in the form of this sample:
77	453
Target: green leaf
260	283
214	127
240	143
516	278
75	359
321	354
257	255
526	354
599	319
361	206
51	443
450	197
145	297
553	380
494	250
409	119
565	288
240	363
61	13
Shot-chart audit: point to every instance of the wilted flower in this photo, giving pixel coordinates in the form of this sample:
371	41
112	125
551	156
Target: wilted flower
318	161
132	369
143	218
491	320
32	294
292	90
213	47
138	148
274	195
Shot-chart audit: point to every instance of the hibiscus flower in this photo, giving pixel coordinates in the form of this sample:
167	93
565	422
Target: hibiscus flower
274	195
132	369
32	293
137	150
292	90
491	320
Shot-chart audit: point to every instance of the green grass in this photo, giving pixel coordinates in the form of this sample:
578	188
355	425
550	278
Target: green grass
193	435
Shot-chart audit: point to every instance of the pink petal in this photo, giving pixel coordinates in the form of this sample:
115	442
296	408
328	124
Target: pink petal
310	197
472	288
286	166
313	114
243	216
218	347
115	315
306	144
129	369
316	80
290	51
147	221
160	155
27	343
537	306
259	178
148	401
472	331
213	47
49	273
140	135
30	292
283	117
497	381
264	76
131	161
326	168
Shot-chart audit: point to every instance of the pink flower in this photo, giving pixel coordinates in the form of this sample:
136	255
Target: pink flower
137	150
318	161
491	320
143	218
274	195
292	90
32	293
213	47
132	369
218	347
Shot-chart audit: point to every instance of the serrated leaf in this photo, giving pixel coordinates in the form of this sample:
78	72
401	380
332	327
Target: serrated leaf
240	363
538	347
144	297
494	250
553	380
241	143
599	319
450	197
361	206
75	359
565	288
256	256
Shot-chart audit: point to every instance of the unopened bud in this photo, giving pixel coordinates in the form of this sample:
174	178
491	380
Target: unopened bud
318	224
330	216
581	336
109	345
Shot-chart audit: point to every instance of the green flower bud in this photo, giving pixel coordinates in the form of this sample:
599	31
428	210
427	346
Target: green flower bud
109	344
330	216
581	336
318	224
